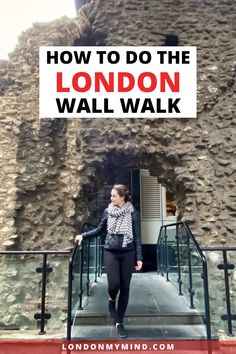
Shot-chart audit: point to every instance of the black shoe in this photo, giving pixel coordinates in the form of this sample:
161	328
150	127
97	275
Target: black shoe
121	330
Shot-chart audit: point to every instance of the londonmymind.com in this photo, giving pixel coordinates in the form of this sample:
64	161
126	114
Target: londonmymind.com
119	346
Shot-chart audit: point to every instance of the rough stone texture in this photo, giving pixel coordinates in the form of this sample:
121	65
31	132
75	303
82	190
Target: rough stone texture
21	292
34	188
50	169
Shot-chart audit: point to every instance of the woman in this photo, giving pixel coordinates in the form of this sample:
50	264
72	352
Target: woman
121	249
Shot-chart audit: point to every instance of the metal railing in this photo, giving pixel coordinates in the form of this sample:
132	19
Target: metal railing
179	254
80	258
44	269
225	266
80	268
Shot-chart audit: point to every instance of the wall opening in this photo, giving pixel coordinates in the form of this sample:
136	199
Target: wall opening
154	201
171	40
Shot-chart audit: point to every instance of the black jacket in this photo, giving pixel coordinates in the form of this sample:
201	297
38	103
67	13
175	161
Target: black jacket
102	228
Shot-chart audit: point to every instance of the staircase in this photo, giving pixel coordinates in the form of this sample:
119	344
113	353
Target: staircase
155	311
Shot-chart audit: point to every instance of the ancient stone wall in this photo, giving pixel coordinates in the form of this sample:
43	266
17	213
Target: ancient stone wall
21	290
34	153
195	158
51	168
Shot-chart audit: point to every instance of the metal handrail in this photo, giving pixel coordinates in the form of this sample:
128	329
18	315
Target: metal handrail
205	281
88	267
45	269
204	268
70	279
225	267
35	252
218	248
69	300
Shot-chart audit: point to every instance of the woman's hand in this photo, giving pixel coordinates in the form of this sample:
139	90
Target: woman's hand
78	239
139	265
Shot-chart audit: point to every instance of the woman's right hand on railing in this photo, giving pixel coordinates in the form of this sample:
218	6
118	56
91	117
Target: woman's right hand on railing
79	239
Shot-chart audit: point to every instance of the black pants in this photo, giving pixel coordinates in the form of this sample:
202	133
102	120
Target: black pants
119	268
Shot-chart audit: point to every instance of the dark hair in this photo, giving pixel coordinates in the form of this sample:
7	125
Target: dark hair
122	191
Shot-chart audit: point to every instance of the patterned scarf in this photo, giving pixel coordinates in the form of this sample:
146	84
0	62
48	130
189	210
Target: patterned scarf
120	221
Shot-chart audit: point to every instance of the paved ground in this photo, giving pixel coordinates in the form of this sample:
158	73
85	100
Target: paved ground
155	311
149	294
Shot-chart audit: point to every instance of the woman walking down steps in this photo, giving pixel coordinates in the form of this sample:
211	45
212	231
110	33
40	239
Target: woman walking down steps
122	250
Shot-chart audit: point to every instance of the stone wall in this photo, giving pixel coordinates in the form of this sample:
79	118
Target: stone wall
34	153
50	169
21	288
